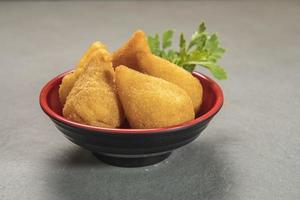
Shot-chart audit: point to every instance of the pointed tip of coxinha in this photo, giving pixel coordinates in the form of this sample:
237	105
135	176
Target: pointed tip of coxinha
99	55
70	79
151	102
126	55
88	53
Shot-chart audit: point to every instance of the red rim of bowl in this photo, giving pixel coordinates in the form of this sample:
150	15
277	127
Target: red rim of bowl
216	107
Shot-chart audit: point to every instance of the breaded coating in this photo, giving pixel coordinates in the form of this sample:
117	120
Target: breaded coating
93	99
151	102
161	68
70	79
136	54
126	55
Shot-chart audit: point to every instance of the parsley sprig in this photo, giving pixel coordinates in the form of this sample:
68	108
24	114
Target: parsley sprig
203	49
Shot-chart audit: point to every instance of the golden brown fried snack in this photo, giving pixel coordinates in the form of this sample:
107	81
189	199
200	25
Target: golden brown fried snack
126	55
93	99
137	55
151	102
70	79
161	68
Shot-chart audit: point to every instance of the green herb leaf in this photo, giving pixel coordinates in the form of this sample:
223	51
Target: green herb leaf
198	56
171	55
198	41
167	39
215	69
154	44
182	43
201	27
203	50
189	67
212	43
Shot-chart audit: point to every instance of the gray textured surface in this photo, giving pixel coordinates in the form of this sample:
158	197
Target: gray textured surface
250	150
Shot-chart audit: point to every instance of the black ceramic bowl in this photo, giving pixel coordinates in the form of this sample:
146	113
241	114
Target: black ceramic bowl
132	147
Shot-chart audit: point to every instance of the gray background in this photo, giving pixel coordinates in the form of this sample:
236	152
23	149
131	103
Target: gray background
250	150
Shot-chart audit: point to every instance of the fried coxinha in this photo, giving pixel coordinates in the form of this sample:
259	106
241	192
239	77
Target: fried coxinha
135	53
95	107
93	99
151	102
70	79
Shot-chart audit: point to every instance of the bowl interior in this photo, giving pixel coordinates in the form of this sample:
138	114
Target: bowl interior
210	95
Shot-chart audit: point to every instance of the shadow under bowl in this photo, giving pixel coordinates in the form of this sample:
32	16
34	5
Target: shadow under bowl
132	147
